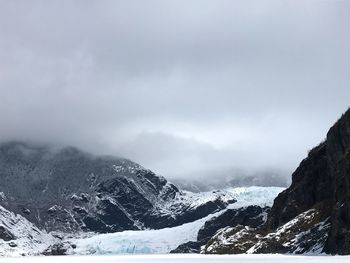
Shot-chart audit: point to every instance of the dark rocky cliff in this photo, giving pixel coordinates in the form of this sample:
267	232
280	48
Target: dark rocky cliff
322	181
250	216
313	214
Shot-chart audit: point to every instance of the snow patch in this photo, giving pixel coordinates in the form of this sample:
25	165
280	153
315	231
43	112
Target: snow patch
24	237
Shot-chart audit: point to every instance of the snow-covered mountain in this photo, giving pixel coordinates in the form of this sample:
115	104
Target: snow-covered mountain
70	191
21	237
54	194
104	205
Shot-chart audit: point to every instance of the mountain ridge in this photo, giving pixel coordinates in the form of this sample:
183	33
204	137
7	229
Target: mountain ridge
69	190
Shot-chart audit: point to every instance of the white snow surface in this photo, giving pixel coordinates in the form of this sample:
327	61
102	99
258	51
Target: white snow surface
181	258
186	200
27	237
164	240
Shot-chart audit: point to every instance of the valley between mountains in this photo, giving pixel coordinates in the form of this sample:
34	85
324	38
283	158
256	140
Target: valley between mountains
68	202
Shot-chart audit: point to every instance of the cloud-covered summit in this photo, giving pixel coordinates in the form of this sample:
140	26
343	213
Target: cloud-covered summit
179	86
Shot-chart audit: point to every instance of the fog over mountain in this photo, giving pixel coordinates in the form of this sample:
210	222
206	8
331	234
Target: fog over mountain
185	88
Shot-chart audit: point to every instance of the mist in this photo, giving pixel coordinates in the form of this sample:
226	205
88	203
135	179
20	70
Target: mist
185	88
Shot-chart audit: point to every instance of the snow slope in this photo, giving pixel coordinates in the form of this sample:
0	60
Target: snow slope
181	258
164	240
140	242
21	237
254	195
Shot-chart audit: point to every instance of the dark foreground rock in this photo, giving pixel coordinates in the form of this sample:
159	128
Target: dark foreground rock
59	249
5	234
313	214
322	182
251	216
191	247
232	240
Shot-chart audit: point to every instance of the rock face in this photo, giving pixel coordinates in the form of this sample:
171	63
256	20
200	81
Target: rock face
322	182
69	190
232	240
250	216
306	233
313	214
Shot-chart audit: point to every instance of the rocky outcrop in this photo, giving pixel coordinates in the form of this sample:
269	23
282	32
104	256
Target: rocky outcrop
311	185
250	216
322	182
59	249
5	234
306	233
191	247
232	240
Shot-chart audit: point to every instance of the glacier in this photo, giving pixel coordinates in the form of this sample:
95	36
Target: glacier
164	240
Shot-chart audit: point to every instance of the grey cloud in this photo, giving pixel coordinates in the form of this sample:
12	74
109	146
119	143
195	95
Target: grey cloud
179	86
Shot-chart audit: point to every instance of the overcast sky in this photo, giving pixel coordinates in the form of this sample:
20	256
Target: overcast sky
182	87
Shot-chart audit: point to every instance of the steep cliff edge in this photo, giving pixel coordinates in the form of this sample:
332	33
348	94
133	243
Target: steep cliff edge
313	214
322	181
